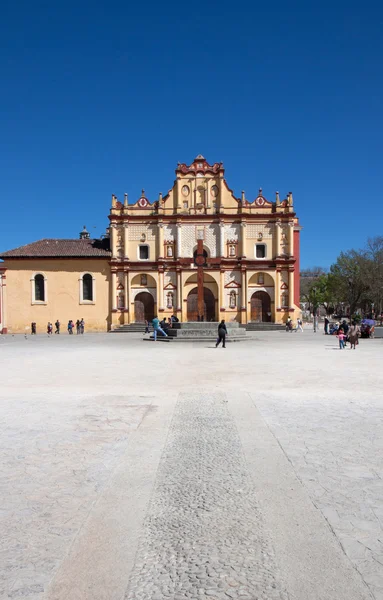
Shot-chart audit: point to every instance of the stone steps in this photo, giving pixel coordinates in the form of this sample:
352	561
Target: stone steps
264	326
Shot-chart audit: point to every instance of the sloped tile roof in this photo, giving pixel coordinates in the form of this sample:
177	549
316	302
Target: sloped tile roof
51	248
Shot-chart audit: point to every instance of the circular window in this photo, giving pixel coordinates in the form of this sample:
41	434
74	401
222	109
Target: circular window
185	190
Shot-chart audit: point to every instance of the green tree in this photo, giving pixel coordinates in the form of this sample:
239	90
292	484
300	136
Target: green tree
349	278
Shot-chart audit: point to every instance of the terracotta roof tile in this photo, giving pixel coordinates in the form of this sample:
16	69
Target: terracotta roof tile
49	248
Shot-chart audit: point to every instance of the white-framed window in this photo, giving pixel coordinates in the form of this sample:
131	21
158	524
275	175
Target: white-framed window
39	288
87	284
143	252
260	251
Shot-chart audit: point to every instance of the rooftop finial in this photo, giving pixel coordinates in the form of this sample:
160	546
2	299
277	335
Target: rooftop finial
84	234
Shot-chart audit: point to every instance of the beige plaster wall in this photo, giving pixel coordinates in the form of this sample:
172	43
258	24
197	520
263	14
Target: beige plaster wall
62	294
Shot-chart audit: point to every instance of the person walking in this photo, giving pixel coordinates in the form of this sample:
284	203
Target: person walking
157	328
57	325
341	337
49	328
146	326
222	333
353	335
326	324
299	325
33	328
78	327
345	328
70	327
82	326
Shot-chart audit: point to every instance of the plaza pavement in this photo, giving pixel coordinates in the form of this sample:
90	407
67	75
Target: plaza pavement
158	471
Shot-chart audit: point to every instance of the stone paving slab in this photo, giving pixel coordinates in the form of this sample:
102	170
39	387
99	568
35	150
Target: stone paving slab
204	533
322	405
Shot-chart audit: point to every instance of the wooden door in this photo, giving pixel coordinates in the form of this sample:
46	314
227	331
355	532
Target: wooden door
143	307
208	305
260	304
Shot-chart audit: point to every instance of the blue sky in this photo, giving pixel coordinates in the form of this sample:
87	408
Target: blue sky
100	98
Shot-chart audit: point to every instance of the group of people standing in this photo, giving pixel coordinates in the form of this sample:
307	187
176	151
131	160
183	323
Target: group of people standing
348	333
80	327
290	325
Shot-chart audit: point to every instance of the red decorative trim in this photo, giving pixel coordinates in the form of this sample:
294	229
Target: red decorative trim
214	218
199	165
233	284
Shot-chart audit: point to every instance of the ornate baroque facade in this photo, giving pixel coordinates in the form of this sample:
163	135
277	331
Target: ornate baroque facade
251	249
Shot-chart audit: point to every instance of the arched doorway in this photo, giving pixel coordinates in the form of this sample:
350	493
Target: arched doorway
208	303
260	307
143	307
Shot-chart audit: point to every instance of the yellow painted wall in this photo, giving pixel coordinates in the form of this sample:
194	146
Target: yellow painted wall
62	289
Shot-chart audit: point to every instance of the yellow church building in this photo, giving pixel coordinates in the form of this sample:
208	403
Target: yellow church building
145	265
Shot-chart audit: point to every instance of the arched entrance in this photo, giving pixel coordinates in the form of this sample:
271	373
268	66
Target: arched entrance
260	307
143	307
208	302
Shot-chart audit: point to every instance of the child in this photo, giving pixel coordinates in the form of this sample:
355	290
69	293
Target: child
341	337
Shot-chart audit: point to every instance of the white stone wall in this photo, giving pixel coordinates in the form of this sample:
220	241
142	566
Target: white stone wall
232	232
189	239
170	277
135	232
254	229
232	276
169	233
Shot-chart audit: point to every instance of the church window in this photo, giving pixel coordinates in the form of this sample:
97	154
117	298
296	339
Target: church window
39	288
87	288
144	252
260	250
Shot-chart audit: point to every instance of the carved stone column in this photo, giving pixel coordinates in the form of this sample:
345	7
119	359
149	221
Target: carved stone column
222	239
179	240
179	291
114	291
291	289
243	297
278	238
160	298
160	238
277	290
243	240
126	240
222	290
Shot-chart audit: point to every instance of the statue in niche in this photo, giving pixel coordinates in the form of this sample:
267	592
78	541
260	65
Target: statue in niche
144	280
169	251
169	300
121	300
233	299
261	279
232	251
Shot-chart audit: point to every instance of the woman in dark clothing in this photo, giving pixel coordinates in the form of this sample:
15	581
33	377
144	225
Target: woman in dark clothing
222	333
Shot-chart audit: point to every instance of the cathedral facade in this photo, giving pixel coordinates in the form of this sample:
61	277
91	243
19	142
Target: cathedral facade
145	265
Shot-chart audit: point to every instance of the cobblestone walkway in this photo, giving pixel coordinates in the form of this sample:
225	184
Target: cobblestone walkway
203	534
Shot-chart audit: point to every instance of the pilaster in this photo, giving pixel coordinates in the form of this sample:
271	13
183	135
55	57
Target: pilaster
243	239
160	294
179	240
222	290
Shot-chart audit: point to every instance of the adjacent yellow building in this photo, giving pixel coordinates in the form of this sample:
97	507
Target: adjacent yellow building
145	265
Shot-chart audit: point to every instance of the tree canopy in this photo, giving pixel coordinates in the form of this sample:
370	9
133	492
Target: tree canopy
354	282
